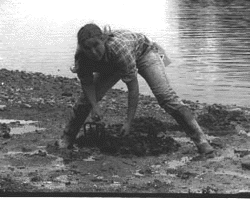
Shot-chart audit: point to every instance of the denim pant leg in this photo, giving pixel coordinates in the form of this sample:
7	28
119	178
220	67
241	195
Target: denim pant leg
83	107
151	67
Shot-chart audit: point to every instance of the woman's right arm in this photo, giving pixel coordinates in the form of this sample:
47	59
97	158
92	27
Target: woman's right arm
90	92
86	77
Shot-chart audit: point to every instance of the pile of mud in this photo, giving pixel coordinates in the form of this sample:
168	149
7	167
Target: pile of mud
219	120
148	137
8	185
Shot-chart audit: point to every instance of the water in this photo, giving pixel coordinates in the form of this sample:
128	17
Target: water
208	41
26	126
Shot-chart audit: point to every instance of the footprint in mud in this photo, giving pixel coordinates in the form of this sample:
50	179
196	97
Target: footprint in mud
147	137
67	155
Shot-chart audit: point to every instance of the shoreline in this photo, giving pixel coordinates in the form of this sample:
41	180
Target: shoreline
75	80
40	92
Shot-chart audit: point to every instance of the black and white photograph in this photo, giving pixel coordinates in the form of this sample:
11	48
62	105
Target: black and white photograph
115	98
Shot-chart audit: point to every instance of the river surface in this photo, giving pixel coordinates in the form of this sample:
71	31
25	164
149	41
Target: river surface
208	41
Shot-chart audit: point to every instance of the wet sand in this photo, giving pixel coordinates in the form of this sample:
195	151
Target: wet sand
156	158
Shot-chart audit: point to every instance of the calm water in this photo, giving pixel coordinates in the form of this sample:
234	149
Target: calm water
208	41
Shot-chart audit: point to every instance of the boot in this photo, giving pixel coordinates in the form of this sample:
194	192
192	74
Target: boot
187	121
77	118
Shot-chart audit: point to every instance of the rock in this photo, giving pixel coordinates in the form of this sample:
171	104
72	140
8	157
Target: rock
89	159
63	179
4	130
138	174
27	106
245	163
240	130
217	142
36	179
242	152
6	136
98	179
39	153
21	167
67	94
145	171
24	149
4	96
3	107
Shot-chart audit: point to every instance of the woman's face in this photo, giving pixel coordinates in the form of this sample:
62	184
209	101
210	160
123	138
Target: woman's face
94	49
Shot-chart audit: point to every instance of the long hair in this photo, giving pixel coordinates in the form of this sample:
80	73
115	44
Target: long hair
88	31
92	30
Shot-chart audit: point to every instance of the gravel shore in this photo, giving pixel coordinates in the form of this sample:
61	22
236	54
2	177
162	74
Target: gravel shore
156	158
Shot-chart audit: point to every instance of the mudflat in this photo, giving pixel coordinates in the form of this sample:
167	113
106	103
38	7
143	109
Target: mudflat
157	157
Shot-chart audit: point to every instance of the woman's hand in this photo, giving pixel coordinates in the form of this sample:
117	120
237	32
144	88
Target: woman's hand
96	114
125	130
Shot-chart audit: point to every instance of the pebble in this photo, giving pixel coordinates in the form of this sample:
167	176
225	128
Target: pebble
27	105
2	107
63	179
217	142
138	174
4	97
245	163
21	167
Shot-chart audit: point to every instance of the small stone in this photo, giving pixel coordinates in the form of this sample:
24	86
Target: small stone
6	135
36	179
3	107
67	183
97	179
21	167
146	171
245	163
5	131
138	174
42	153
24	149
27	106
4	96
67	94
62	178
89	159
217	142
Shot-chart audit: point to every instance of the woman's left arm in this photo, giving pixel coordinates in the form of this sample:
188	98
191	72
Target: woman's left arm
133	95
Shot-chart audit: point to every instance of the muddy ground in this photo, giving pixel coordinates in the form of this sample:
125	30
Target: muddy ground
156	158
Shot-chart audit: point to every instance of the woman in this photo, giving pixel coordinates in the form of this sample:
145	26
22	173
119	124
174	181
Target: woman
103	58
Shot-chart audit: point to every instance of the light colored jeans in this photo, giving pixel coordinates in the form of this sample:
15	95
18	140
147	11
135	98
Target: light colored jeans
152	68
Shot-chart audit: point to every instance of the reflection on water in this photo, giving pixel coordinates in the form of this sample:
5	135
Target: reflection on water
214	49
208	41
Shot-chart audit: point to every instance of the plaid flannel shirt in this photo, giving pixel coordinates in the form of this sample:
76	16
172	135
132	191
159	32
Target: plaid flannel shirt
126	48
123	49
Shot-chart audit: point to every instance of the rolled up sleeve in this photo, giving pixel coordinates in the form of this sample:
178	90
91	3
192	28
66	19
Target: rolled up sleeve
128	77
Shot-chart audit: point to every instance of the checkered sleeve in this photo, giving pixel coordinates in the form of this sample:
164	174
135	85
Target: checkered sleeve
126	62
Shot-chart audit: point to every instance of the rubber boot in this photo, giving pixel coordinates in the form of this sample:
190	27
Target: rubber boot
77	118
189	124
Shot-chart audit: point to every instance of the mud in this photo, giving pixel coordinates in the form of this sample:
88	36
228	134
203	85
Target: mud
156	157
